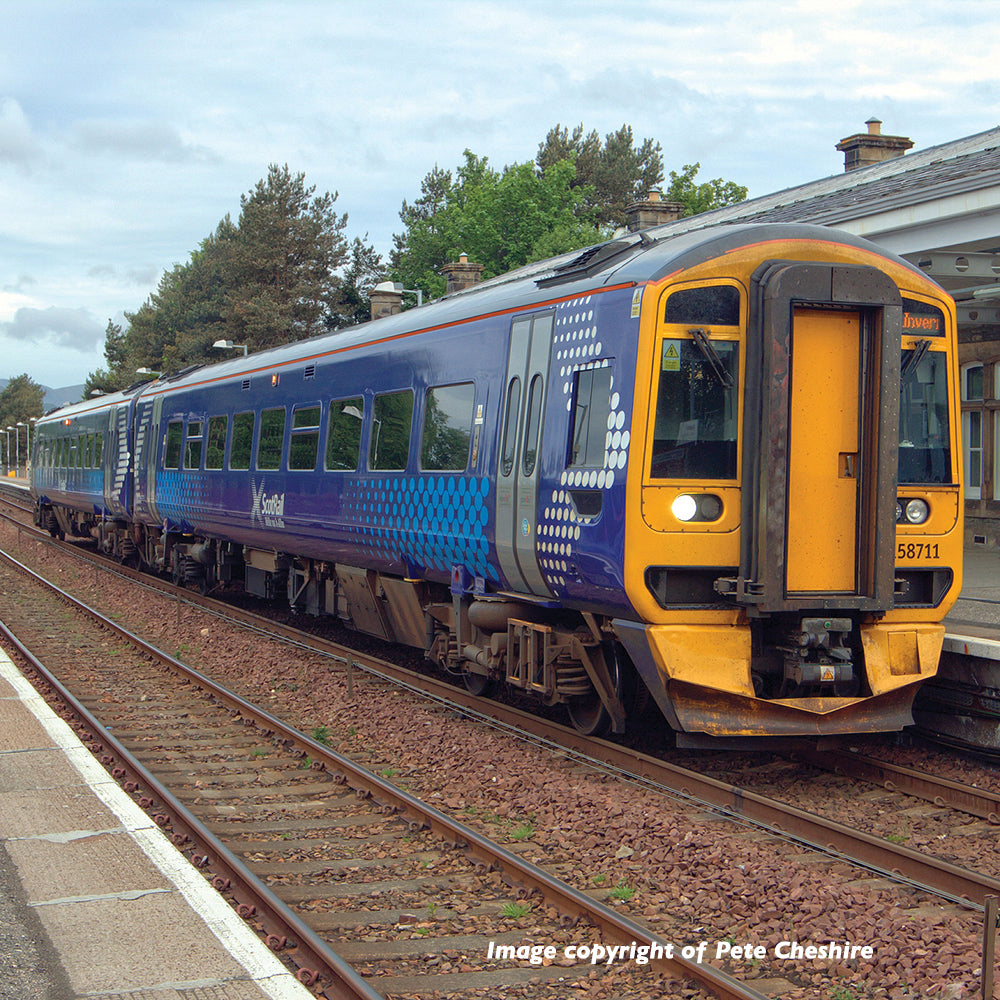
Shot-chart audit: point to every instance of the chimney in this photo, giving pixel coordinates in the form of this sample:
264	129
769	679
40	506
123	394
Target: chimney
864	149
385	300
652	212
461	274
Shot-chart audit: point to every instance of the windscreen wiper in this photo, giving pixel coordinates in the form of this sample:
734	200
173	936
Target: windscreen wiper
719	370
919	350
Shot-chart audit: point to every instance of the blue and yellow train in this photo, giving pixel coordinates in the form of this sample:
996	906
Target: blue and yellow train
722	469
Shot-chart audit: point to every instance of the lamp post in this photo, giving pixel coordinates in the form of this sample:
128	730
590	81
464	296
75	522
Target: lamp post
17	449
27	454
27	451
228	345
7	466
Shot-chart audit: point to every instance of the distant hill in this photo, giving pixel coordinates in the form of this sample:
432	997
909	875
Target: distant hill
55	397
58	397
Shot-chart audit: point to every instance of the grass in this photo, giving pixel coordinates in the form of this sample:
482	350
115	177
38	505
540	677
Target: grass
515	910
525	830
623	891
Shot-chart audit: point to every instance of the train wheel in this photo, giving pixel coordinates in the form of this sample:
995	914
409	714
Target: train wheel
477	684
587	713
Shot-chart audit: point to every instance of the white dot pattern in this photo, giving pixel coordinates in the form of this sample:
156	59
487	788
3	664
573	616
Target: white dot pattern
577	345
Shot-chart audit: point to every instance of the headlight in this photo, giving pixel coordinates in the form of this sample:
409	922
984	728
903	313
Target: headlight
684	507
696	507
917	511
899	512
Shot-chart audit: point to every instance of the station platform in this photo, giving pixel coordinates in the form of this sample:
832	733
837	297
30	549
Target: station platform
976	613
95	902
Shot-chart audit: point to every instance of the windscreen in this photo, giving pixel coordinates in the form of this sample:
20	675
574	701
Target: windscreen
924	431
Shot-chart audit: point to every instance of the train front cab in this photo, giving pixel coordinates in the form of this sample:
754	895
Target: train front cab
795	536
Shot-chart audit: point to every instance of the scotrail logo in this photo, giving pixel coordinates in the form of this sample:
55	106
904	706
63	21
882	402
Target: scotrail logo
268	509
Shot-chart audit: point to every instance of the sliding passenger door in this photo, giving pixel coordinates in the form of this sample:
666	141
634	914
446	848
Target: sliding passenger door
147	432
518	465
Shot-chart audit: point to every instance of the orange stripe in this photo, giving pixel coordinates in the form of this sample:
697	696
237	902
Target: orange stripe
393	337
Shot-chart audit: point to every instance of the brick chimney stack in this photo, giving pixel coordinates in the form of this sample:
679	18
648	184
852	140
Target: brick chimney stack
385	300
461	274
864	149
652	212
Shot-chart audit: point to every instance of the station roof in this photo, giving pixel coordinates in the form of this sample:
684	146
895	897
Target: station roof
938	207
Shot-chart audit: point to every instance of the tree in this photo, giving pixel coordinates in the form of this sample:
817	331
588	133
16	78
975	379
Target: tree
698	198
621	172
267	279
617	171
501	219
286	249
115	352
365	270
20	402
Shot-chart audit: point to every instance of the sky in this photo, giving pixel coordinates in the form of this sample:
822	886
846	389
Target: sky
130	128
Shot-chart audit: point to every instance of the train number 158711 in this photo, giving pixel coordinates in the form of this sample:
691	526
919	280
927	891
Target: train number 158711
917	550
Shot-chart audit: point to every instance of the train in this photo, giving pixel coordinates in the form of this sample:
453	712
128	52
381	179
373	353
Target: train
714	477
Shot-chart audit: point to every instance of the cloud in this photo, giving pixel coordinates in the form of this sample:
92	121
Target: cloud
17	142
132	277
138	140
22	284
75	329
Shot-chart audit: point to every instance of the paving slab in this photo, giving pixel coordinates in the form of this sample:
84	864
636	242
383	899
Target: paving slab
121	944
97	864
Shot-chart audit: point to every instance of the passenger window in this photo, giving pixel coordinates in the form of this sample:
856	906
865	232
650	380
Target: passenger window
510	426
392	419
343	436
272	436
192	452
447	427
215	446
304	446
532	425
172	450
98	449
592	396
242	445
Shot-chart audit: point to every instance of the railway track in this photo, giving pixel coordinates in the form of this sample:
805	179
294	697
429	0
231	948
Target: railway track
275	819
729	800
931	788
884	857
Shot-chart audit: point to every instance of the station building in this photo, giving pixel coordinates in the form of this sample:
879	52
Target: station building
940	209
